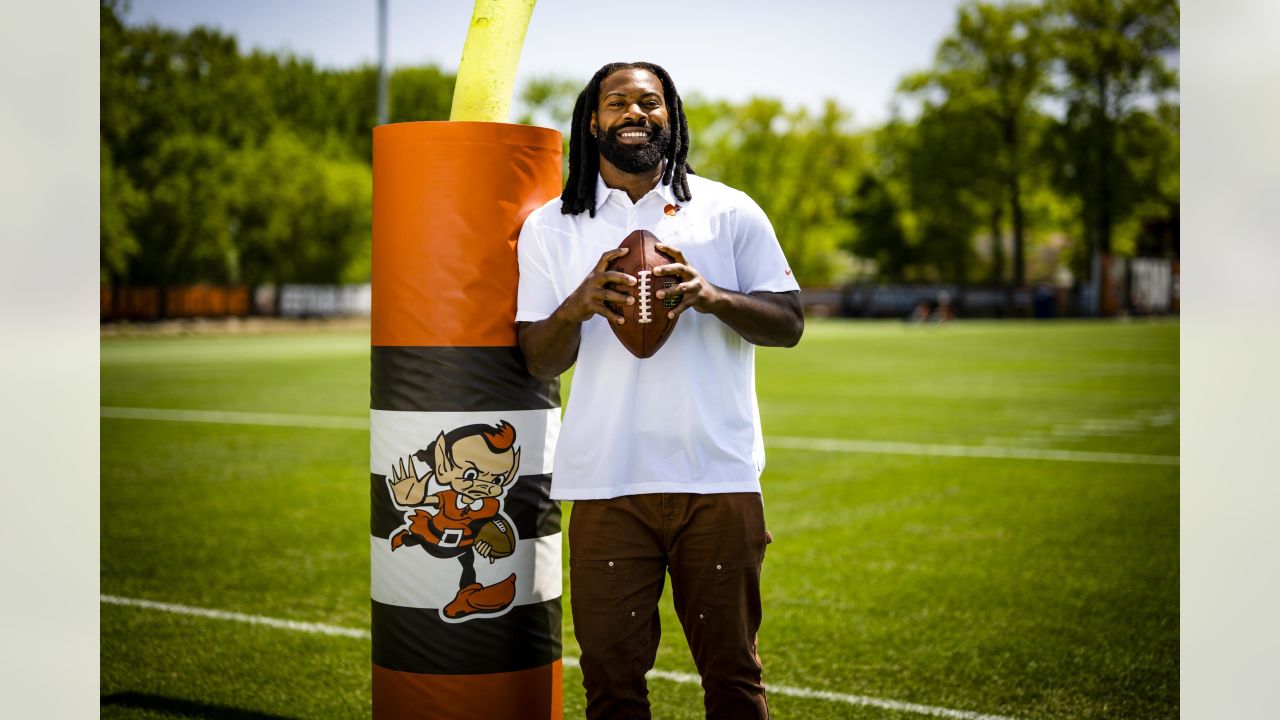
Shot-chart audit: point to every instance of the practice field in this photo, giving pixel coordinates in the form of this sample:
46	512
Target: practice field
973	521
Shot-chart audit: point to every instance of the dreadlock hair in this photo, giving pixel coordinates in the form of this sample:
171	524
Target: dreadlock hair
584	155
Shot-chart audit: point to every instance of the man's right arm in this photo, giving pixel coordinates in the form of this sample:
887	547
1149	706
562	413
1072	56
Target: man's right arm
550	346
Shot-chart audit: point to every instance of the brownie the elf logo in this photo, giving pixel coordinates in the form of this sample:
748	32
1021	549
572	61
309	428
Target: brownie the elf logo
454	510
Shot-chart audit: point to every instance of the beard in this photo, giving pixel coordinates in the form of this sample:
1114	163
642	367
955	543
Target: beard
634	158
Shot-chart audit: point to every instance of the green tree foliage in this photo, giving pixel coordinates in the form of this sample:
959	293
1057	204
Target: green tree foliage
420	93
1117	144
185	232
980	111
164	83
300	215
219	166
1031	110
879	236
317	103
342	104
548	102
223	166
800	168
1151	145
953	170
120	204
916	210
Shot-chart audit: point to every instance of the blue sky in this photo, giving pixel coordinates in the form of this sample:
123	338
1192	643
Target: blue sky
801	51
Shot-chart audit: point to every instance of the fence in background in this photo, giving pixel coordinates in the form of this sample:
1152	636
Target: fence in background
1129	286
904	301
151	303
324	300
216	301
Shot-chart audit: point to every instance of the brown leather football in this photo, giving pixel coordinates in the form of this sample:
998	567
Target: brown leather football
647	326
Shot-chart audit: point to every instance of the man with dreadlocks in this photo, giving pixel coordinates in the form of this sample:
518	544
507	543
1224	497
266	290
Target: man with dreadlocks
663	455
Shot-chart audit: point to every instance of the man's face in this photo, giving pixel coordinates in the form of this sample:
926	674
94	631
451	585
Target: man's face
630	123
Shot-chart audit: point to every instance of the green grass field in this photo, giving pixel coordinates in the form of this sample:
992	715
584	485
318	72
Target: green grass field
1041	586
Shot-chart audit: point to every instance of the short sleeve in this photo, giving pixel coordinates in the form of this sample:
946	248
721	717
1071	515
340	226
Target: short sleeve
536	296
760	262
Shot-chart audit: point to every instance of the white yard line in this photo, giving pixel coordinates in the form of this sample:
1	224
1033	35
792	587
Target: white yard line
306	627
878	447
337	422
973	451
676	677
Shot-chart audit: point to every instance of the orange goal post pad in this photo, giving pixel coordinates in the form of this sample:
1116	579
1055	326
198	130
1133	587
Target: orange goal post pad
448	202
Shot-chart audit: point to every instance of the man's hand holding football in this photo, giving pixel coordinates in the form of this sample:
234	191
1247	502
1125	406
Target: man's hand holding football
694	289
761	318
596	290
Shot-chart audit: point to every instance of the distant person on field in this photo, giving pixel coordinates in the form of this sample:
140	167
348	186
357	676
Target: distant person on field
942	311
920	313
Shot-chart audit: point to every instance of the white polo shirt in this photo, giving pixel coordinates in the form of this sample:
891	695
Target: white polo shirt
686	419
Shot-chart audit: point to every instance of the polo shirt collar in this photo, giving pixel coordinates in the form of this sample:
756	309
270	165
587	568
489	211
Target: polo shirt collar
602	192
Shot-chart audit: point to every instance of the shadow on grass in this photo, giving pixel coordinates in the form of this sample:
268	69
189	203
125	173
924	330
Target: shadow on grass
184	708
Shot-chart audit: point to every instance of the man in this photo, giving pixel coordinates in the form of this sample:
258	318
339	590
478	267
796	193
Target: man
662	456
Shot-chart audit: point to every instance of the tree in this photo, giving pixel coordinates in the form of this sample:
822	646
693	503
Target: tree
954	177
421	93
548	102
1151	142
221	167
800	168
300	213
120	204
1112	59
992	69
185	231
879	233
159	83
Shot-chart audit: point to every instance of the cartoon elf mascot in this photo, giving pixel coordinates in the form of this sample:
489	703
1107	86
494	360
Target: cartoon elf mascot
476	463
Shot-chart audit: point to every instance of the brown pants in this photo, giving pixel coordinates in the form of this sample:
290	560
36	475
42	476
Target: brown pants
619	551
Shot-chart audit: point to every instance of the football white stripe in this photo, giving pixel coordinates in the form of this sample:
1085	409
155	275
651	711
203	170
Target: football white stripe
409	577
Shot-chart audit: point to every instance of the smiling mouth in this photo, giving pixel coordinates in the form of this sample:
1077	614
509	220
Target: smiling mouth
633	134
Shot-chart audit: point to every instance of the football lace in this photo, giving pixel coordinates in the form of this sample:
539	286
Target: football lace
643	296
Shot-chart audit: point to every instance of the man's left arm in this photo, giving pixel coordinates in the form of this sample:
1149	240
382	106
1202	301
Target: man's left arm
774	319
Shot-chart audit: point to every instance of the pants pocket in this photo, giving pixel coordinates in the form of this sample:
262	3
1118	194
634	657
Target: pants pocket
593	584
729	588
